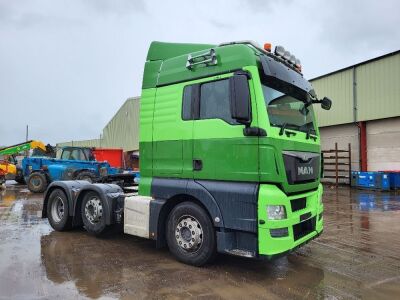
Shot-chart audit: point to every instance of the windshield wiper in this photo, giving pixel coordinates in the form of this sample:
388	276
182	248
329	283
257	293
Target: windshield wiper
308	135
283	128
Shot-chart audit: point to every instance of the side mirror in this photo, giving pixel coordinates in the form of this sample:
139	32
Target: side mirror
326	103
240	98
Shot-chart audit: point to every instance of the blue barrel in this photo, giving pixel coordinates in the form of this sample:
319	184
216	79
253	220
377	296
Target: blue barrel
394	179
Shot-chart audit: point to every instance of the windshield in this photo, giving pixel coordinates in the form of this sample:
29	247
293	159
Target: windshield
286	107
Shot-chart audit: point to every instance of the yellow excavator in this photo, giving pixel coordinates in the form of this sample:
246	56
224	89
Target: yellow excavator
8	164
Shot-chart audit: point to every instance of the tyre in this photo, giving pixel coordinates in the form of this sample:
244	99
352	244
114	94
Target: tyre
93	214
191	235
19	178
37	182
2	182
86	175
58	211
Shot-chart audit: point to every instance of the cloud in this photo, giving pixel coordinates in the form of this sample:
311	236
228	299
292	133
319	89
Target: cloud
360	25
117	7
67	66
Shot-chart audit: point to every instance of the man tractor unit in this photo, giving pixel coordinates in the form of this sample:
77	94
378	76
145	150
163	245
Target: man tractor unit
230	157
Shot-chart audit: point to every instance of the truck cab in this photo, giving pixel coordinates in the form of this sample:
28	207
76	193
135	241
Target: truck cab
229	155
77	153
235	124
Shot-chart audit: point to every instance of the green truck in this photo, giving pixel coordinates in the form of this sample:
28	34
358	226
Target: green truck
230	158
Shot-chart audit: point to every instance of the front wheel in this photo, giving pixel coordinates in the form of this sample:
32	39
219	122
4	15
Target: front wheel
191	235
37	182
93	214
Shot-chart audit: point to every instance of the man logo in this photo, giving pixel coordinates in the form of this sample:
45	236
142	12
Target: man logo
305	170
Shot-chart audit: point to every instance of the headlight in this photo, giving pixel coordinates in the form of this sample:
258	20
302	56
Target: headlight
276	212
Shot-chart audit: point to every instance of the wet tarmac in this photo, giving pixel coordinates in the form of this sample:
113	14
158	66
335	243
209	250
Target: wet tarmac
358	256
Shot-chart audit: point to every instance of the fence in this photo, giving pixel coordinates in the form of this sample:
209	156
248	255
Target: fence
337	164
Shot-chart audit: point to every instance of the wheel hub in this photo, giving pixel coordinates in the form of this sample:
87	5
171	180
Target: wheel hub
36	182
93	210
57	209
189	234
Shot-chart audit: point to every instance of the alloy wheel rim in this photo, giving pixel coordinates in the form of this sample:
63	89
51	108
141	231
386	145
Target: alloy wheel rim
94	210
57	209
189	233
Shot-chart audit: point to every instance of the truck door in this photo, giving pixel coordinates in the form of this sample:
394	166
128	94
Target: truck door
220	149
169	132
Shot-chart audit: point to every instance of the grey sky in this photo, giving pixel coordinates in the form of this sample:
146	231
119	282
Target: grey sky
67	66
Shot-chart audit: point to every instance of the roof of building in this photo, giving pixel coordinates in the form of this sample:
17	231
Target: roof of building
365	91
356	65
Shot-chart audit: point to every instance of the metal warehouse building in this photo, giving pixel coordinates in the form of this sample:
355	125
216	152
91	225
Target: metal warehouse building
365	113
122	131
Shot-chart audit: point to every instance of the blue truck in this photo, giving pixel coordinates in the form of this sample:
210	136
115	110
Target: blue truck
76	163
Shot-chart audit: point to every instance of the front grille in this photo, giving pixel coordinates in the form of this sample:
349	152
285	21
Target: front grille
298	204
302	229
301	167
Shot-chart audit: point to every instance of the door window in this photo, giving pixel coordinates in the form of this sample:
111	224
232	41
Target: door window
66	154
215	102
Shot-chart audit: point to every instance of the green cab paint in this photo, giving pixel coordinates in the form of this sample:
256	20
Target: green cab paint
272	195
171	146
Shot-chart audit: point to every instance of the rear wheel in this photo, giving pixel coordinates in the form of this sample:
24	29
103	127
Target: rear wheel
191	235
93	214
37	182
2	182
19	178
86	175
58	211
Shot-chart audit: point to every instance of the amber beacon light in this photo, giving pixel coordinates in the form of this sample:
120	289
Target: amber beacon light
267	47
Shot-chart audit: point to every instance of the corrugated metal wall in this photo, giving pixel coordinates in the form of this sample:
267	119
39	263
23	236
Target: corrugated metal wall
339	88
121	132
377	92
378	89
82	143
383	143
123	129
343	135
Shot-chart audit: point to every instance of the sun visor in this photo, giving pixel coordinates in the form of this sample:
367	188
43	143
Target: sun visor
277	71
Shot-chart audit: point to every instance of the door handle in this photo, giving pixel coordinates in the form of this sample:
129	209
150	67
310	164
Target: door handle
197	164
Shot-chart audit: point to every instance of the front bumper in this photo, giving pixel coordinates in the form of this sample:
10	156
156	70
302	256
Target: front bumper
303	223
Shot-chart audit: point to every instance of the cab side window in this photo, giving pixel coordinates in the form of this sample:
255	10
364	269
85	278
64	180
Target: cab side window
66	154
214	101
187	103
209	100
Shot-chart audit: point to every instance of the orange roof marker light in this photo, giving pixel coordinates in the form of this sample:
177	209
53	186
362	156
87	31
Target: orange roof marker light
267	47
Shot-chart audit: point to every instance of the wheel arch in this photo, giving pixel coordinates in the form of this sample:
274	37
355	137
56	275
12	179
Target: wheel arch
107	192
61	185
160	210
79	171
